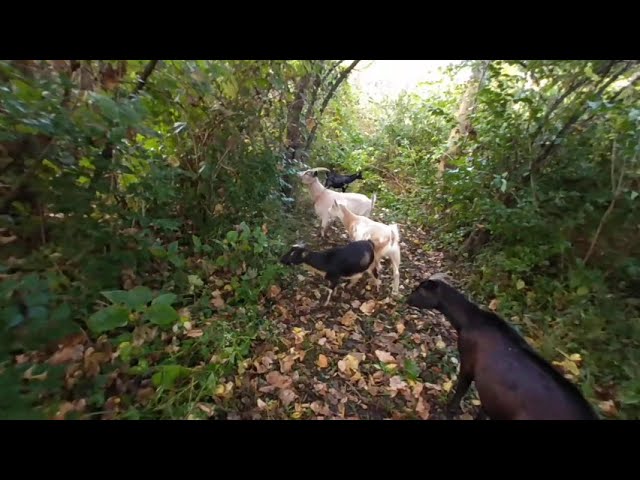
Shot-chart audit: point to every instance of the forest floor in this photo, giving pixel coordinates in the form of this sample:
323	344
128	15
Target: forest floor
365	355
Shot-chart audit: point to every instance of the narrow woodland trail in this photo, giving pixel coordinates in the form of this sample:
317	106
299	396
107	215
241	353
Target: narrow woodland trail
363	356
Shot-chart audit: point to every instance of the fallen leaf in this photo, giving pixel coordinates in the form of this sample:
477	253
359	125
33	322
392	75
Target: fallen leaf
608	407
395	384
322	361
494	304
385	357
440	345
400	328
417	389
447	385
423	409
274	291
287	396
356	303
28	375
569	366
466	416
66	355
8	240
261	404
349	363
319	408
145	394
195	333
278	380
296	415
217	302
287	362
575	357
475	402
22	358
63	409
206	408
368	307
348	318
299	334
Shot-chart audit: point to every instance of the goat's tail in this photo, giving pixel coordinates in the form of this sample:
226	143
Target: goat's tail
395	234
373	202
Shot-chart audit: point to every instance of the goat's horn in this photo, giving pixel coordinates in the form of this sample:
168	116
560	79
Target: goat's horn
317	169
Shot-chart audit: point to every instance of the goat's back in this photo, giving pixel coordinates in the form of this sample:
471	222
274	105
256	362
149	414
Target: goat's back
516	383
357	203
350	259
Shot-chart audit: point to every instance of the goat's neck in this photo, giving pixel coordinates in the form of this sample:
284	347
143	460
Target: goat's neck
316	189
314	260
348	218
458	310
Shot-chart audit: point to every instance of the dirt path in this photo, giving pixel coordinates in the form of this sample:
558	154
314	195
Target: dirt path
364	356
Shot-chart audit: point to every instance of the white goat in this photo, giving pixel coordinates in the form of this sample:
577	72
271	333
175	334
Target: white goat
386	238
323	198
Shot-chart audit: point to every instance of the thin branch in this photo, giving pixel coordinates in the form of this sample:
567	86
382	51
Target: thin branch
615	190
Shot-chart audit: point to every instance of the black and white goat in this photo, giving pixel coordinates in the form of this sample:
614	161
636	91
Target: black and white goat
349	261
335	180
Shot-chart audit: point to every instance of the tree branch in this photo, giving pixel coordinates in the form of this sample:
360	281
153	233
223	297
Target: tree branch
341	78
142	79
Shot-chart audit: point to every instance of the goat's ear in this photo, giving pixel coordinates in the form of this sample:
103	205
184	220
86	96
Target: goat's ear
335	203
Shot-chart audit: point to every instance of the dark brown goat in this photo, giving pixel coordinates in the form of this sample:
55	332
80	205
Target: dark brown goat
513	381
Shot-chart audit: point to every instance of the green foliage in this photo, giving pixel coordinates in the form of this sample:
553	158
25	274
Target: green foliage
105	187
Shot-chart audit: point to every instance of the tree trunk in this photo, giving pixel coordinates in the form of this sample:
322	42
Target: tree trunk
294	141
463	116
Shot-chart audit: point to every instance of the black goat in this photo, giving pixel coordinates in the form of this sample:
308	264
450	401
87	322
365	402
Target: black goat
513	381
335	180
349	261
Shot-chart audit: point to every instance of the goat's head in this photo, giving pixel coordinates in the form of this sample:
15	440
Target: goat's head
309	176
335	210
296	255
359	175
427	295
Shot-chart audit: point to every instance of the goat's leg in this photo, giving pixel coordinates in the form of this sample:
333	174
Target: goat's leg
394	256
334	287
324	223
344	188
464	382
